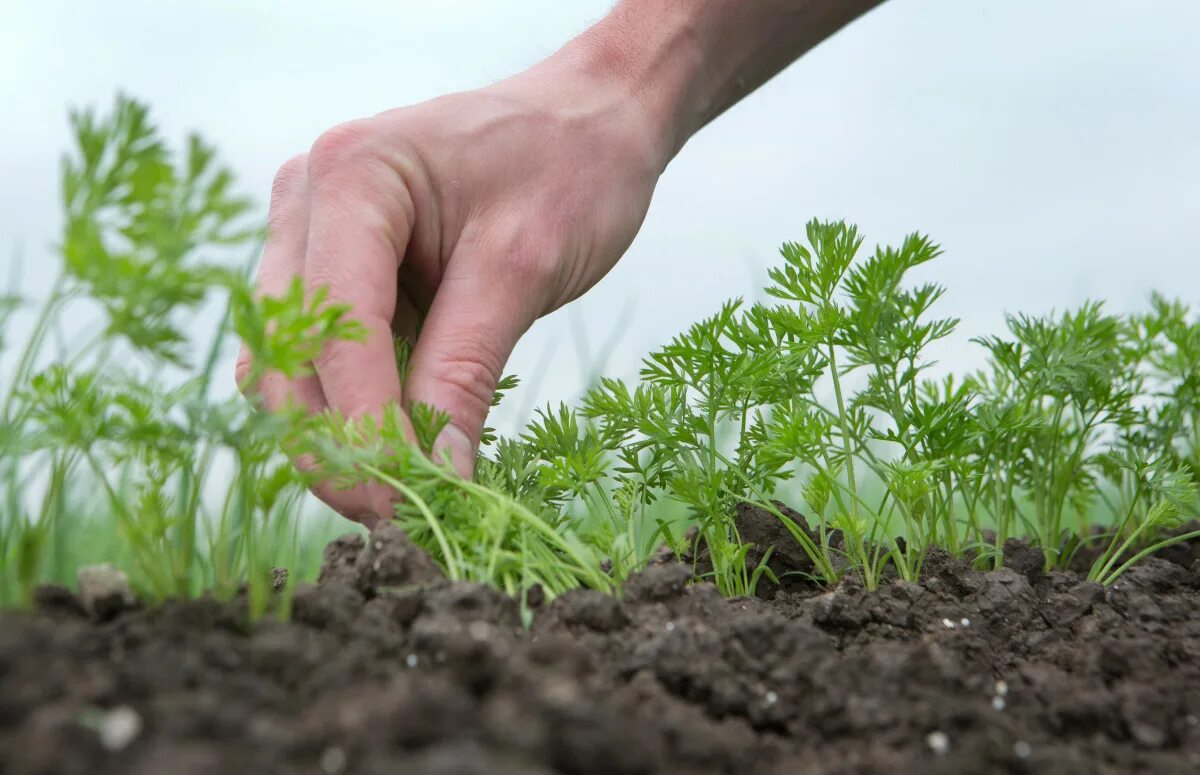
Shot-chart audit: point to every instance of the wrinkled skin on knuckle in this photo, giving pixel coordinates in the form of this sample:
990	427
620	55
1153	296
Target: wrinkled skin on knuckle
532	265
332	276
466	382
331	352
516	250
339	148
339	354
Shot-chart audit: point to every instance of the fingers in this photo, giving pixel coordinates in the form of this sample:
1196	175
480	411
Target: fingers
360	218
475	321
282	262
359	222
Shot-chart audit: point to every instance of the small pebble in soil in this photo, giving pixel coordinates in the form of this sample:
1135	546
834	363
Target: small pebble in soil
119	727
333	759
772	698
949	625
411	660
1001	691
1022	749
104	591
938	742
670	626
966	622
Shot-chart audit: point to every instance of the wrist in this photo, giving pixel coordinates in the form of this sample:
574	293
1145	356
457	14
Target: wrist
647	67
681	63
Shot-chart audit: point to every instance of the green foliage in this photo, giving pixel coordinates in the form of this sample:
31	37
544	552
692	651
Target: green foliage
135	219
475	529
285	334
1082	432
125	413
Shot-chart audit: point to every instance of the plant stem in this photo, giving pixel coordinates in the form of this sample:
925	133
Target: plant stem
845	429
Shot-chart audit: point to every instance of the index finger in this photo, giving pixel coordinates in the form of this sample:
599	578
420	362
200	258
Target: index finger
359	225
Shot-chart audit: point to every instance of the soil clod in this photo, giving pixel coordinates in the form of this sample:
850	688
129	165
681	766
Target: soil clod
104	591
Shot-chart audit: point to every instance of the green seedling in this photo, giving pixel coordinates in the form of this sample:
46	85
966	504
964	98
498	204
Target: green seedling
1081	434
190	488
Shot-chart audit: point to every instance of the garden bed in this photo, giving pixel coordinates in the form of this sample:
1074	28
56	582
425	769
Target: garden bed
1070	462
384	667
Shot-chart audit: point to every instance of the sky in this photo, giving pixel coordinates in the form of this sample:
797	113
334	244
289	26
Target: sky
1050	148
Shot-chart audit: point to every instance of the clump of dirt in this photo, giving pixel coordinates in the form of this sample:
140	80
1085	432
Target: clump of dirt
386	667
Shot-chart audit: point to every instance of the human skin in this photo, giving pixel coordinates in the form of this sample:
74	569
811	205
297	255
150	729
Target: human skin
484	210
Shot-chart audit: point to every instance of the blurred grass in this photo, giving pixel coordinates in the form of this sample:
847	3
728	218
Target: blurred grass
93	536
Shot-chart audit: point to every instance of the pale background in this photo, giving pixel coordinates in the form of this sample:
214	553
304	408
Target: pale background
1052	148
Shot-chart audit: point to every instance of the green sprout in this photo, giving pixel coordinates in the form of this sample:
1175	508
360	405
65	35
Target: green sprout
1081	434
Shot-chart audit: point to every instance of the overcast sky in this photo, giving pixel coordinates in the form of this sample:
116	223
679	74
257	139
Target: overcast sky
1052	148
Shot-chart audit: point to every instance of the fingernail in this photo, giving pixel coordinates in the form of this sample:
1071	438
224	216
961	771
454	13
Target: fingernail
454	442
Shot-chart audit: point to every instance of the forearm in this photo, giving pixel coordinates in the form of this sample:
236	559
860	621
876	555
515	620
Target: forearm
687	61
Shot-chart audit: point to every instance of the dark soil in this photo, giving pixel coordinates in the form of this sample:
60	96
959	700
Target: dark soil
385	668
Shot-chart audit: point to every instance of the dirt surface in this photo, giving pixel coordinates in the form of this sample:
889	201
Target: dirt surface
385	668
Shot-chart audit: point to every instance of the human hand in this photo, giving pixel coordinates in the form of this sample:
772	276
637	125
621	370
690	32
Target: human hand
486	209
479	212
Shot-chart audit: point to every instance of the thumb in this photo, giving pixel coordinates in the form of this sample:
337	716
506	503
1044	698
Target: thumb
469	333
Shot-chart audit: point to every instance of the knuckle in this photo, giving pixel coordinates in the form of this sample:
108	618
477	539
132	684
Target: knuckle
336	147
530	264
332	277
466	383
333	353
